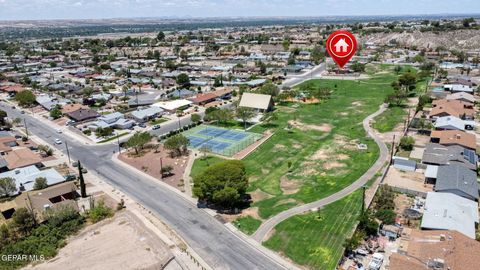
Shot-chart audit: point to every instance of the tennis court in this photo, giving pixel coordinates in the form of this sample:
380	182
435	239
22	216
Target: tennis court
222	141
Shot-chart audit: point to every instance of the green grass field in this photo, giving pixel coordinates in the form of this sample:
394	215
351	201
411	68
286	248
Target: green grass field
201	163
322	161
389	119
316	239
247	224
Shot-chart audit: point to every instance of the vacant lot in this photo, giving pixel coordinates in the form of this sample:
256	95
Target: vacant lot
122	242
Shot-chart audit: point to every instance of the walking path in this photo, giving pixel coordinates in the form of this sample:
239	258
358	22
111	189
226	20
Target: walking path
269	224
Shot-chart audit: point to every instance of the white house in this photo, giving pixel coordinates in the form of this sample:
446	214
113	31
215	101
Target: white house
144	115
113	120
25	177
457	88
449	123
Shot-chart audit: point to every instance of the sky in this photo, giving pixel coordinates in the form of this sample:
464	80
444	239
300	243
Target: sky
97	9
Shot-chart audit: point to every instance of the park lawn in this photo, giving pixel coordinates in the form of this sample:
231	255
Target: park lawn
313	178
389	119
201	163
247	224
316	239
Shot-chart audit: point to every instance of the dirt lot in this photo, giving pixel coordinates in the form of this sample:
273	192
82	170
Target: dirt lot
149	162
122	242
407	180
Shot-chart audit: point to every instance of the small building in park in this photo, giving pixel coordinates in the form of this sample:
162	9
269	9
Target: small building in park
259	102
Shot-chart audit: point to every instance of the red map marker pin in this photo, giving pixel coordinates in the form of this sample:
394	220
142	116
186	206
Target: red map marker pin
341	45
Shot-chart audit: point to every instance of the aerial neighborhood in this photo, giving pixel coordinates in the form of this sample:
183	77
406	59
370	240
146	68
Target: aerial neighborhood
228	145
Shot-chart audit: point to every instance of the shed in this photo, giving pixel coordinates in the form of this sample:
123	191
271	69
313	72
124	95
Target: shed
404	164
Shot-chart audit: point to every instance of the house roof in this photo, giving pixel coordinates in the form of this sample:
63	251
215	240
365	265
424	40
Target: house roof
450	122
26	176
256	101
83	114
417	249
68	108
451	137
461	96
204	97
21	158
456	108
4	143
457	177
435	153
148	112
447	211
173	104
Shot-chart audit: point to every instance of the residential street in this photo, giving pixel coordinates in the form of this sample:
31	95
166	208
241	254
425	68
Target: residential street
218	246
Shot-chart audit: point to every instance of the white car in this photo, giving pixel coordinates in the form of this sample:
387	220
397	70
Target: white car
376	262
59	131
58	141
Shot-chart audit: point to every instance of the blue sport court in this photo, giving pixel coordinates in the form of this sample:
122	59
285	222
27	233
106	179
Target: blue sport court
222	141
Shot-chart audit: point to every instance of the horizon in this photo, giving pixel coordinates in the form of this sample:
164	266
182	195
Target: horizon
28	10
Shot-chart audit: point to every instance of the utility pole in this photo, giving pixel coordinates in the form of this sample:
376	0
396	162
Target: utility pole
68	152
393	149
25	124
83	190
118	141
161	170
363	198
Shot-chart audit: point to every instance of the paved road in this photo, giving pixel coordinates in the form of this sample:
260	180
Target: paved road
269	224
294	80
217	245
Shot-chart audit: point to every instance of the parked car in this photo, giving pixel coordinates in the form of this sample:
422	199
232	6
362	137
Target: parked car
22	112
376	262
142	125
58	141
156	127
59	131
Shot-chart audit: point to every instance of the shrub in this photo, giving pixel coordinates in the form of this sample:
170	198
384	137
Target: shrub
406	143
99	212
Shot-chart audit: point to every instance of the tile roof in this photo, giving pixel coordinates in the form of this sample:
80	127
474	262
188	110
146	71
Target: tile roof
21	158
455	137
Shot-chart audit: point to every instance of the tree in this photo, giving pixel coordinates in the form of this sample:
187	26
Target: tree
45	149
245	114
138	141
205	149
223	183
7	186
104	132
40	183
195	118
357	67
25	98
83	190
56	113
397	69
3	116
23	221
17	121
177	145
408	81
406	143
269	89
367	223
183	80
166	170
161	36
